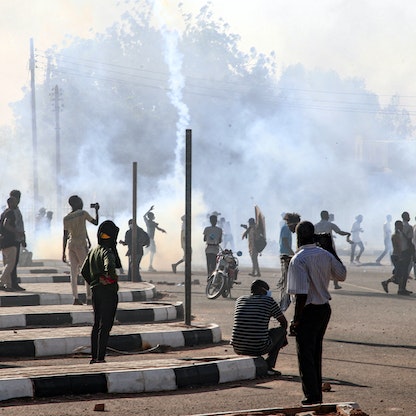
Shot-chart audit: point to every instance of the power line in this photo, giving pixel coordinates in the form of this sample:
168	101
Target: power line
116	73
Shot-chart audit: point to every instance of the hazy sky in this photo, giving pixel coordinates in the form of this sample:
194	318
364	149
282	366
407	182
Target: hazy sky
369	39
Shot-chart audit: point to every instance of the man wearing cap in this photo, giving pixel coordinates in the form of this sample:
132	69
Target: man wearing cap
75	234
251	334
99	270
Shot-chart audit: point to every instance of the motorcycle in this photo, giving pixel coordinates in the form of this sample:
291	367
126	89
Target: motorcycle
224	276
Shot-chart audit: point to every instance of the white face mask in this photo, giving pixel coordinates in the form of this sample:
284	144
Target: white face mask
269	293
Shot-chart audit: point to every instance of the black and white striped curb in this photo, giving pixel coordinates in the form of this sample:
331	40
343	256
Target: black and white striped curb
144	312
37	299
56	278
134	381
133	341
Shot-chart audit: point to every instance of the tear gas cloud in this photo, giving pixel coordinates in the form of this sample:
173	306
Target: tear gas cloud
303	142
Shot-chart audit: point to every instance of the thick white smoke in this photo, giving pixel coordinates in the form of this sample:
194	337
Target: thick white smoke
298	143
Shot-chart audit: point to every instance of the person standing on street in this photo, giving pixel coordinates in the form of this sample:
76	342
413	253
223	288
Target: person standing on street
151	227
310	271
401	257
408	232
20	239
75	235
386	239
99	271
213	239
286	254
251	234
175	265
142	240
8	243
328	227
356	230
251	334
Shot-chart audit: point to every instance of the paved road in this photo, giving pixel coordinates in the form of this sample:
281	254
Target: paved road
369	356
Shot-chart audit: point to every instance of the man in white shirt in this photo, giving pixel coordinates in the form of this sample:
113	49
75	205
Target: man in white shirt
310	271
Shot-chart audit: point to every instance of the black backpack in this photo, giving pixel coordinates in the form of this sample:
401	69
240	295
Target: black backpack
143	239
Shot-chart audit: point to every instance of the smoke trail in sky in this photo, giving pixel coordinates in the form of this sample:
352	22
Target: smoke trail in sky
174	59
176	83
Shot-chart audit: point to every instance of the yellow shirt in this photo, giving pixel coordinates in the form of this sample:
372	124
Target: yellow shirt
74	223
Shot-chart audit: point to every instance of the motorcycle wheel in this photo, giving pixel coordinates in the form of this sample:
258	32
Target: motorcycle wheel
226	291
215	285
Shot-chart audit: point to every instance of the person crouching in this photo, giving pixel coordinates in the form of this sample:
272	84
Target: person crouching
251	334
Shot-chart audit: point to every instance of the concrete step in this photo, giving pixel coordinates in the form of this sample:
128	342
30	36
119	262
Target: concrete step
127	377
59	294
56	277
47	301
64	315
45	342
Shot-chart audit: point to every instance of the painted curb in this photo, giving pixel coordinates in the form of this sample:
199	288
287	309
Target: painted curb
44	347
134	381
160	311
39	299
43	277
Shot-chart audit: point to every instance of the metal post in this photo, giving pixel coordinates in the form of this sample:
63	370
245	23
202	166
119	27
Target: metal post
133	254
34	126
188	248
58	153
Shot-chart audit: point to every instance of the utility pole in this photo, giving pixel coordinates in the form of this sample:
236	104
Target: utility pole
188	215
34	126
133	254
57	108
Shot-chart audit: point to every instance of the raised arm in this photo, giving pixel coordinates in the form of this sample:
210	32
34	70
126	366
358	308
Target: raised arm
95	220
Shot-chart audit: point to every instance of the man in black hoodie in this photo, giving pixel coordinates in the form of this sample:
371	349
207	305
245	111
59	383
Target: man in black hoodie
99	270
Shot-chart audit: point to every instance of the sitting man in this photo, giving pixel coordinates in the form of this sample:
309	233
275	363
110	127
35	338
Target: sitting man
251	334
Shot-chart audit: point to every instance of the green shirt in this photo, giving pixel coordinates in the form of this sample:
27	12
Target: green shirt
100	261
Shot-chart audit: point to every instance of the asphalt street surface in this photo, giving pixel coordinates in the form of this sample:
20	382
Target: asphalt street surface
369	355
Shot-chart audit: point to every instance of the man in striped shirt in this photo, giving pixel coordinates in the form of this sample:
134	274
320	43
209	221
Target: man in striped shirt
310	271
251	334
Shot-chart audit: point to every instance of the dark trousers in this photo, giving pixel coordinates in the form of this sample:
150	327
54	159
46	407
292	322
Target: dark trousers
255	262
104	303
401	267
211	262
13	274
279	340
309	337
139	259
